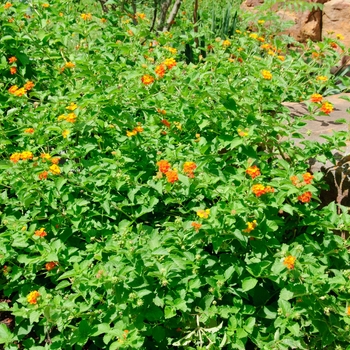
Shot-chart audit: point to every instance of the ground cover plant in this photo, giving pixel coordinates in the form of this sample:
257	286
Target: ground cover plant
154	200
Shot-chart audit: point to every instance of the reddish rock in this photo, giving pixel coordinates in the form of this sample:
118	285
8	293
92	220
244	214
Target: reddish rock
307	24
336	19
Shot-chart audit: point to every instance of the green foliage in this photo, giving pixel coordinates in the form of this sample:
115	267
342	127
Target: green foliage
103	246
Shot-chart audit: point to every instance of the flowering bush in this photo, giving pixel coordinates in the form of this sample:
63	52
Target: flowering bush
123	229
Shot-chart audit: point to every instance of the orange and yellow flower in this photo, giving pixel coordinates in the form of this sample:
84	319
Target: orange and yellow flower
189	168
164	166
13	89
28	85
72	107
326	108
316	98
307	178
266	74
305	197
160	70
172	176
147	79
25	155
170	63
29	131
13	70
69	65
258	190
50	265
41	232
203	213
86	16
226	43
20	92
43	175
253	171
55	169
71	118
15	157
32	297
196	226
12	59
45	156
289	262
250	226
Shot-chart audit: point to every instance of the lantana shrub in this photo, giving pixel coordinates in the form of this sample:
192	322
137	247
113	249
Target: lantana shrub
150	203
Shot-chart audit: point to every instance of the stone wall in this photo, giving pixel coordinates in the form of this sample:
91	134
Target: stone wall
316	24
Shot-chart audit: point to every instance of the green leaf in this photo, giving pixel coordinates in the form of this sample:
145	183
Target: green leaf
106	207
169	312
59	182
249	283
286	294
5	334
63	284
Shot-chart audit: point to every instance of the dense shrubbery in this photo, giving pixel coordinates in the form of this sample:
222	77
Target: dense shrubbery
151	203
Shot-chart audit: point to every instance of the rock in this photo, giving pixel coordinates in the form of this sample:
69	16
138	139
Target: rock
307	24
336	19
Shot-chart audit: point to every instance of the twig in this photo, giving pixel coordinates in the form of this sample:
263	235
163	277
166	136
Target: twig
172	15
154	15
164	8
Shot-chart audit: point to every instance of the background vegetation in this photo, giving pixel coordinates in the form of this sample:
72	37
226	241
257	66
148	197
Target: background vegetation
151	192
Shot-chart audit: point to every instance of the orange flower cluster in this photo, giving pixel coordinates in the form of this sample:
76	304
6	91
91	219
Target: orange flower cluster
72	107
164	166
189	167
29	131
32	297
316	98
242	133
170	49
134	132
196	226
203	213
166	123
266	74
12	59
305	197
86	16
289	262
160	70
50	265
172	176
250	226
41	232
253	171
147	79
13	70
15	90
43	175
307	179
70	118
55	169
25	155
170	63
260	189
326	108
161	111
